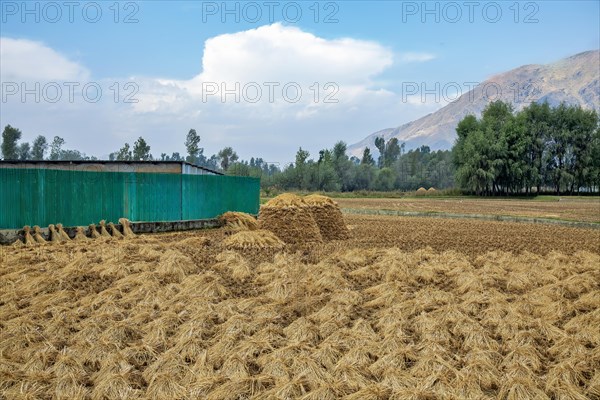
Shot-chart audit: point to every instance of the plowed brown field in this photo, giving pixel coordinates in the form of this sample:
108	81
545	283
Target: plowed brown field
407	308
571	209
468	236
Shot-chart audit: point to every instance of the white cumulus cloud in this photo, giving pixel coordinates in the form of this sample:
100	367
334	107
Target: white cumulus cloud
28	60
278	55
278	52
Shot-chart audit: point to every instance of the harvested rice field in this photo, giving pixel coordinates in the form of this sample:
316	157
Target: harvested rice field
468	236
404	308
584	209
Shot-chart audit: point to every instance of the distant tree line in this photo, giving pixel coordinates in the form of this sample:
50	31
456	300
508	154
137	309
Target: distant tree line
333	170
537	148
394	169
12	150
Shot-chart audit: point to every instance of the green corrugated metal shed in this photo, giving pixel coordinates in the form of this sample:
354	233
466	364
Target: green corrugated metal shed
77	198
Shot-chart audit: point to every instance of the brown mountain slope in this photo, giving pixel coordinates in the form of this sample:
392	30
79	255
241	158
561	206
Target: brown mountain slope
574	80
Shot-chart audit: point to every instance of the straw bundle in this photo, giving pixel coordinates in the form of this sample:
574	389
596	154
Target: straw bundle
194	242
126	224
93	231
63	235
37	235
17	244
29	241
421	191
80	235
55	236
103	231
115	231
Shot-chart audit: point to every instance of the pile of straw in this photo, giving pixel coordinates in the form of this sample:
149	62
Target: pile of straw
115	231
421	191
254	240
103	231
80	235
61	232
238	221
94	234
56	236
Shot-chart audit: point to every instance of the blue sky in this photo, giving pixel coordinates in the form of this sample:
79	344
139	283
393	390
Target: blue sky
167	44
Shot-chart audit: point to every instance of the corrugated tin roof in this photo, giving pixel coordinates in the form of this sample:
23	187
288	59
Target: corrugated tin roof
113	162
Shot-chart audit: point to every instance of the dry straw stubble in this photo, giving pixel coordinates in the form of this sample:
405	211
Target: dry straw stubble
175	316
152	322
254	240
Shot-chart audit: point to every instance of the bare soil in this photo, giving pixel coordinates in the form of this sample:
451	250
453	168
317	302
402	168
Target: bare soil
570	209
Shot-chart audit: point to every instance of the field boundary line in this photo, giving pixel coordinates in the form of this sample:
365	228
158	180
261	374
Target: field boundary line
501	218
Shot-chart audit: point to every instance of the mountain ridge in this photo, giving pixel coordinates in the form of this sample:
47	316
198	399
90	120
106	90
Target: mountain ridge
574	80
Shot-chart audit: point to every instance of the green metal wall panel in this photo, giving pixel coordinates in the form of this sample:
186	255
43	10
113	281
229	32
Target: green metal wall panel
76	198
205	196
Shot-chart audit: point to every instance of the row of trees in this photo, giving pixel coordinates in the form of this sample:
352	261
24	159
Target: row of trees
333	170
13	150
538	148
195	154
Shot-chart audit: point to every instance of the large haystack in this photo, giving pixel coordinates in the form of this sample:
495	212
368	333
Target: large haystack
250	240
328	216
289	217
421	191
